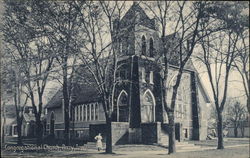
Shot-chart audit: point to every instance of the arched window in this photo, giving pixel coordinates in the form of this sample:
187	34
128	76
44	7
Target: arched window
148	107
151	47
143	48
120	111
52	123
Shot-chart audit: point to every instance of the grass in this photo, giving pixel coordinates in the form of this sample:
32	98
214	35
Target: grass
147	151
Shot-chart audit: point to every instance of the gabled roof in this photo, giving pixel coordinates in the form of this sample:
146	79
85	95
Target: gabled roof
83	91
137	13
28	117
200	84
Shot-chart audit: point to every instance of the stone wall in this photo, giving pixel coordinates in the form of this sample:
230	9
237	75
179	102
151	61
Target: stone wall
134	136
151	132
119	132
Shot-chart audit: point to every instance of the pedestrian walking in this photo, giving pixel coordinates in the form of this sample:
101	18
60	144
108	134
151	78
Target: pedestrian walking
98	139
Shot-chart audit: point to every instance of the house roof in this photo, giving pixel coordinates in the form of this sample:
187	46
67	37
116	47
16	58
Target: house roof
28	117
83	90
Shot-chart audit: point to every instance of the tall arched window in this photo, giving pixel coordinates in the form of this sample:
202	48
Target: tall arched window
148	107
120	111
151	47
143	48
52	123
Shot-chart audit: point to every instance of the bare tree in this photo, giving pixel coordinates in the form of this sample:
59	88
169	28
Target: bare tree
185	31
219	52
101	57
241	63
32	54
63	21
14	85
236	116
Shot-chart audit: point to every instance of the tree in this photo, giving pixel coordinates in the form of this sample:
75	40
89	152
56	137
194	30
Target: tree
27	35
236	116
13	84
219	52
20	104
63	22
241	63
188	17
99	54
213	119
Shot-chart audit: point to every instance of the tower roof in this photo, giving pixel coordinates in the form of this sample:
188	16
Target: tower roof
136	15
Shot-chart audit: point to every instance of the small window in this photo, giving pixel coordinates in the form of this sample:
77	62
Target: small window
151	76
92	112
143	75
96	111
143	45
147	76
80	113
185	111
180	111
88	112
151	48
84	112
76	113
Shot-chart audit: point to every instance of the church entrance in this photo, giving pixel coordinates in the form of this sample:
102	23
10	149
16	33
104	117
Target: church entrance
120	111
148	107
178	130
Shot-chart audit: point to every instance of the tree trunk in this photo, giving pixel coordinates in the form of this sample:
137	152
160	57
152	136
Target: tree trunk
66	103
3	126
19	133
109	149
242	129
220	131
171	140
236	132
39	132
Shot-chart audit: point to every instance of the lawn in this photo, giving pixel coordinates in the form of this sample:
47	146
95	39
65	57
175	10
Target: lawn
237	152
234	148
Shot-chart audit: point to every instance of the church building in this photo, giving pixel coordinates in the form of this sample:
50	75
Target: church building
138	115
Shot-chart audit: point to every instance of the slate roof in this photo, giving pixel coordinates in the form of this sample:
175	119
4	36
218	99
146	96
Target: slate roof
84	91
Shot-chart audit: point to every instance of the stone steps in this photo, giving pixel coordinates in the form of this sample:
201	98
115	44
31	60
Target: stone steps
186	146
92	145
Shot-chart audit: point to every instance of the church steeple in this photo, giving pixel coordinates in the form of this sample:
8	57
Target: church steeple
135	3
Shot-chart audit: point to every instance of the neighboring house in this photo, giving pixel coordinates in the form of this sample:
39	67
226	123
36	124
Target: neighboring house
243	130
28	124
138	115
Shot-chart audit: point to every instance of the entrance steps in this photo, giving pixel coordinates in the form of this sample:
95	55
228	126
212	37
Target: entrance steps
183	146
186	146
92	145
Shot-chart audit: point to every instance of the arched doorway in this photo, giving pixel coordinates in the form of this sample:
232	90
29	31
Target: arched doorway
120	111
52	123
148	107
